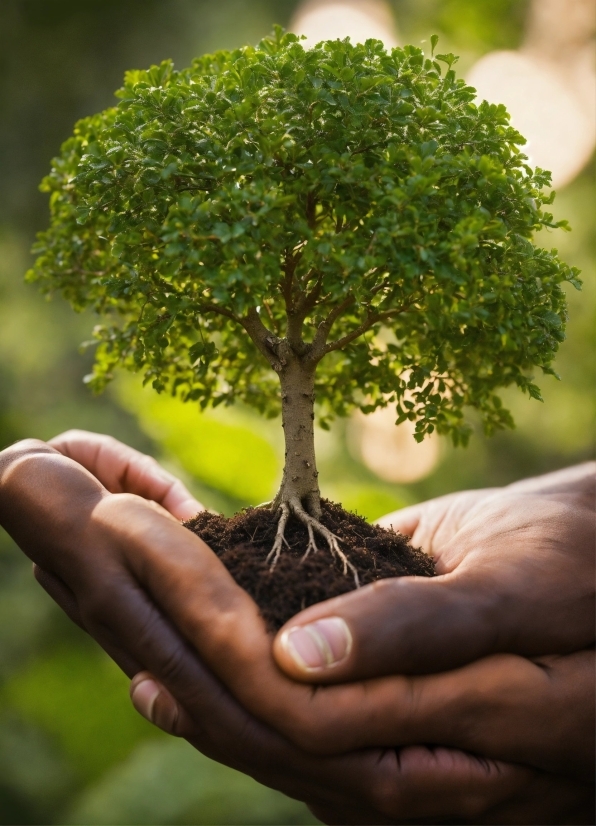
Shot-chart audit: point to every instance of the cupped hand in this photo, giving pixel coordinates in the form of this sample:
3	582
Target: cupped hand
123	568
96	552
504	707
516	574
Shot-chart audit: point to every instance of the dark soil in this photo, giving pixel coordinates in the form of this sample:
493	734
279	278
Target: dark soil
243	542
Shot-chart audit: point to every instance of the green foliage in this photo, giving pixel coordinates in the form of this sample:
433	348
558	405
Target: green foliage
367	185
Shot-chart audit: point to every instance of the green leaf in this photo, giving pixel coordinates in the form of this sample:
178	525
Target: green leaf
450	59
535	393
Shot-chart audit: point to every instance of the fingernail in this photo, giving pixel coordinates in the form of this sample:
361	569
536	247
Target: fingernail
143	696
322	644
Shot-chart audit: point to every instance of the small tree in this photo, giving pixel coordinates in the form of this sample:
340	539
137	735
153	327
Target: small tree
342	222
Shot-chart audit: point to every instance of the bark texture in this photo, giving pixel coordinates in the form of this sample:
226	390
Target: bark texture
300	476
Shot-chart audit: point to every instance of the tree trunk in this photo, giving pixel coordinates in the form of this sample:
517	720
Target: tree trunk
300	478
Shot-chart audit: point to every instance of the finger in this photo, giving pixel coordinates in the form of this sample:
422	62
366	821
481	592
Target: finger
414	782
155	703
403	625
504	707
539	714
122	469
45	503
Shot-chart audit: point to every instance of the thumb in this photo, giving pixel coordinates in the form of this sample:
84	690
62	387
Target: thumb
409	625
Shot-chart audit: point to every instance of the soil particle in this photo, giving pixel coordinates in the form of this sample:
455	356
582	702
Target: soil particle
243	542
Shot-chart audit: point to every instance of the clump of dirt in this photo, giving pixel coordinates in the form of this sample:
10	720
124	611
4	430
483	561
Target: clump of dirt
244	541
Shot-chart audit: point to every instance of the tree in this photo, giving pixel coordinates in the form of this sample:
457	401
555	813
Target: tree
343	222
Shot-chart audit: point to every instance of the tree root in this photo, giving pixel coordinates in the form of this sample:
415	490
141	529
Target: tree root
280	538
312	526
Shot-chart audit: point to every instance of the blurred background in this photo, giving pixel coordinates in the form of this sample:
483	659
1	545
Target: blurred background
72	750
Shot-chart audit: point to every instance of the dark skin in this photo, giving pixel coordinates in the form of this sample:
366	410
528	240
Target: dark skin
488	546
101	556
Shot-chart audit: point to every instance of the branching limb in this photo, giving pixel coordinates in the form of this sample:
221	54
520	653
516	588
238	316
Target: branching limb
287	284
217	308
324	328
366	325
267	342
340	343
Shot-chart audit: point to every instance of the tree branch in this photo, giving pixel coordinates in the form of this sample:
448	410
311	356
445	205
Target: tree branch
324	328
309	300
290	265
263	338
305	305
215	308
366	325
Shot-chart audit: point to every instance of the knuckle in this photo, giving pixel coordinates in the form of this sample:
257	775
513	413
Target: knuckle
21	453
109	443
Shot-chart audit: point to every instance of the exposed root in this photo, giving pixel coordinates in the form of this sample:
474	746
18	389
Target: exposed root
280	538
312	545
312	526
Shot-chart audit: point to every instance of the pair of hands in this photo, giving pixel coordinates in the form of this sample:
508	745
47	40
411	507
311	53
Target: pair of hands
515	576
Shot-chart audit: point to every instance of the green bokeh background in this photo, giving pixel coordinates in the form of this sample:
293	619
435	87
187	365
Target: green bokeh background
72	750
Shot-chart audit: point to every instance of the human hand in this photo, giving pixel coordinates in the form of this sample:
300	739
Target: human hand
122	469
58	512
410	785
537	721
191	587
97	553
516	574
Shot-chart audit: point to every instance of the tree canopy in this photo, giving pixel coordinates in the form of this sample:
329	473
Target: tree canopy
357	201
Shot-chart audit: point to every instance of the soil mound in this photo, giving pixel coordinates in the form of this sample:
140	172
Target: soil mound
243	542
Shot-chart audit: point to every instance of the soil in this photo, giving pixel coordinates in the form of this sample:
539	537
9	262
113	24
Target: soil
243	542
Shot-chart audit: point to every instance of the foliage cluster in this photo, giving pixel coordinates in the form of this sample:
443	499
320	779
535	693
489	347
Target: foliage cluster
341	187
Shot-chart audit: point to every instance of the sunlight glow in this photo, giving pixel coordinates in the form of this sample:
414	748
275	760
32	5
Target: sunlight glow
549	85
337	19
561	132
390	452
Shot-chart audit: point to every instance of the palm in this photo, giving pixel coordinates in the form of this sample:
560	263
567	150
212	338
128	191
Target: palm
530	545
